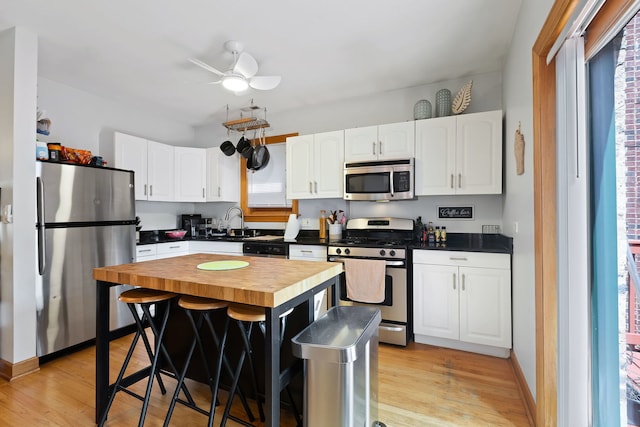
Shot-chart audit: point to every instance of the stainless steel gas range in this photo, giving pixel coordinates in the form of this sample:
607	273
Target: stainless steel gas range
385	239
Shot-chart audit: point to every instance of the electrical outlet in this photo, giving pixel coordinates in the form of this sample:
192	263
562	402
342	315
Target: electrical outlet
515	227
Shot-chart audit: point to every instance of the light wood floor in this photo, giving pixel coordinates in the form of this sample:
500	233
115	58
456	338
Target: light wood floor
418	386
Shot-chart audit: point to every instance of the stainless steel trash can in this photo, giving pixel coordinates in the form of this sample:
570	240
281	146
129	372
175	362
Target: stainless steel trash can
340	352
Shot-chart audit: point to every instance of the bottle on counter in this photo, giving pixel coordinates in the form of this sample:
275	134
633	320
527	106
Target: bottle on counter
418	229
437	234
443	234
323	224
431	235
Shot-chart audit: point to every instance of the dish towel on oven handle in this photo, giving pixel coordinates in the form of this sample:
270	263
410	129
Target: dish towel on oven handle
365	280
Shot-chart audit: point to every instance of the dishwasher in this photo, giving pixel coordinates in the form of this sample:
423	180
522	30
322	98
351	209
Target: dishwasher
271	249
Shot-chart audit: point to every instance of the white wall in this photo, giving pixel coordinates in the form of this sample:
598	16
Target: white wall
86	121
518	199
18	71
383	107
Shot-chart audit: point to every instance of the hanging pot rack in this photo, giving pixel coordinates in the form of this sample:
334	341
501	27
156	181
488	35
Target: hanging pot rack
244	124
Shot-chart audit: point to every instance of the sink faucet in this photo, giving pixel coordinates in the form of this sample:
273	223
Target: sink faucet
227	216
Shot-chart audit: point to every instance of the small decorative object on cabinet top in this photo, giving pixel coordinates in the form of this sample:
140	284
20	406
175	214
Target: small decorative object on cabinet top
422	110
462	99
518	150
443	103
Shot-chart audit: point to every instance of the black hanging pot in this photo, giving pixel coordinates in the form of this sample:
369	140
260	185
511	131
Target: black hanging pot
227	148
244	147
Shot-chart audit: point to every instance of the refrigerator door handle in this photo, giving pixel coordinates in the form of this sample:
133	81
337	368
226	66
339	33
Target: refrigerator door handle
41	230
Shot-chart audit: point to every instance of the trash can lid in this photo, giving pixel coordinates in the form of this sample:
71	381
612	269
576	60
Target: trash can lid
339	336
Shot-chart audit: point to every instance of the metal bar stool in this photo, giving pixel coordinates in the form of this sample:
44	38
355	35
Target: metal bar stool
145	298
246	316
203	308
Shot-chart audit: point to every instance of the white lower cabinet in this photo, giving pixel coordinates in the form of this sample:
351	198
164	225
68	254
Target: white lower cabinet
225	248
171	249
312	253
462	300
161	250
146	252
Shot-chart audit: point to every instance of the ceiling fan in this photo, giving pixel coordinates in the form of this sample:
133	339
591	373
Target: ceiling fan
242	74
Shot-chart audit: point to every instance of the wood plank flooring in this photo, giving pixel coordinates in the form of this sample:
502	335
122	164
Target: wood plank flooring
418	386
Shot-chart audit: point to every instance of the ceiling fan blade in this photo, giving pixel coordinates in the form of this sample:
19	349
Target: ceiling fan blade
206	66
246	65
264	82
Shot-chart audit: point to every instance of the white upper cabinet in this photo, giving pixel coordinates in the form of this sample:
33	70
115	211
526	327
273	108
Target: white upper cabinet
223	177
315	165
190	174
152	163
131	154
160	171
382	142
459	154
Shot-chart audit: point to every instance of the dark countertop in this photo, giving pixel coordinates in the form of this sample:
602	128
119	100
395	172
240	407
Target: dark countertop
472	242
469	242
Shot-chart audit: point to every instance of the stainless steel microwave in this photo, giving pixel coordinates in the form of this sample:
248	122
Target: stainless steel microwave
379	180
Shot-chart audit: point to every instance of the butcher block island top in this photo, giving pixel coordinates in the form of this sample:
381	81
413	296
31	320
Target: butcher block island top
265	282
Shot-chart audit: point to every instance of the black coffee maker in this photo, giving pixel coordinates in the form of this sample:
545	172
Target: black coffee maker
192	224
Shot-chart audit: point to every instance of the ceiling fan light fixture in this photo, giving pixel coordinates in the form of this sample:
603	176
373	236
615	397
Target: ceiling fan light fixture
235	83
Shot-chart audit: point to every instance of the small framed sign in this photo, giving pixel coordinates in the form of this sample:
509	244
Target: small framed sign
455	212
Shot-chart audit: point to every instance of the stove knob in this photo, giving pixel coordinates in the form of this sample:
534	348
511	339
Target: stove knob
338	251
382	252
347	251
392	253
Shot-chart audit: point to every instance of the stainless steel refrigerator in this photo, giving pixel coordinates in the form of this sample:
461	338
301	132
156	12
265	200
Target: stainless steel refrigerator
85	219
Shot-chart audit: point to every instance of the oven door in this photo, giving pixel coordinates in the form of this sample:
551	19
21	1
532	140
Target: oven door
393	328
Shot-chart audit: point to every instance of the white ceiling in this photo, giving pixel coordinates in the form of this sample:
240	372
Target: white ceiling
136	51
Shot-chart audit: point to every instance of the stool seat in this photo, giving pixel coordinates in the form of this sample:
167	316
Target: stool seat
250	313
144	296
190	302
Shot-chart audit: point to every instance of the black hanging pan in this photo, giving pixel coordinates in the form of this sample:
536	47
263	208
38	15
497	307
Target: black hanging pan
261	155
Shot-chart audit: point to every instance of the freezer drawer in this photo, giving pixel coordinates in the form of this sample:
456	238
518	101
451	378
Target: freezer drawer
66	298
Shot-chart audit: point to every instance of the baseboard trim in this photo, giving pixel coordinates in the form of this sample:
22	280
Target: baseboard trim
10	371
525	393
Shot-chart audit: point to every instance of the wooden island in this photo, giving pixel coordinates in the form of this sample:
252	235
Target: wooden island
273	283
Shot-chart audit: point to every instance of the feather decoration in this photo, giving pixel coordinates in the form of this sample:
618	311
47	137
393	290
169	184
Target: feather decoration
462	99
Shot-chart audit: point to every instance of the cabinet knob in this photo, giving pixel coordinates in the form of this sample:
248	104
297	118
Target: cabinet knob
380	147
451	180
145	189
373	148
151	190
463	282
459	180
454	281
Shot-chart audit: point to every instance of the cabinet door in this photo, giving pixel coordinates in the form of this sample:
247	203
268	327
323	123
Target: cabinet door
361	144
190	170
479	153
160	171
396	141
485	306
300	178
131	154
435	299
435	156
328	164
223	177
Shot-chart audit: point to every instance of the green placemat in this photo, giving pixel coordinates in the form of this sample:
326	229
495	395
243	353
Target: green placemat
222	265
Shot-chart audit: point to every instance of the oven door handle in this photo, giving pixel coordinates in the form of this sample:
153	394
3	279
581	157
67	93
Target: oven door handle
387	263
